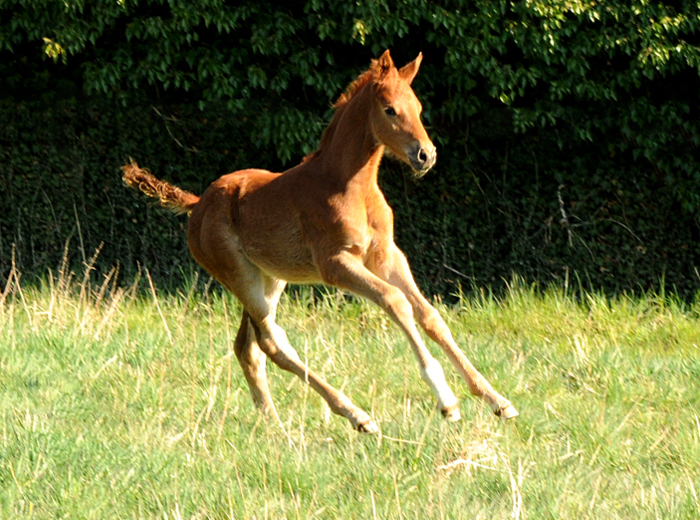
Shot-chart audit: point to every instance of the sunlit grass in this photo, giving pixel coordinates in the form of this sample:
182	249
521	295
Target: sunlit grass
124	402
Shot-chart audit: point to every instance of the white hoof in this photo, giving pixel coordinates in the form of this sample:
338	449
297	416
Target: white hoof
451	414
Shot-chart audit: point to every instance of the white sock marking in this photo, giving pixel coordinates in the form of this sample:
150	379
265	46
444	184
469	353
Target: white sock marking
435	377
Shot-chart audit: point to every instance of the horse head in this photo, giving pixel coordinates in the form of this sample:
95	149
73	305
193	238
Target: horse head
395	114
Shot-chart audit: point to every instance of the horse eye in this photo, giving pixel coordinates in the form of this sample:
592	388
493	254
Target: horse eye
390	111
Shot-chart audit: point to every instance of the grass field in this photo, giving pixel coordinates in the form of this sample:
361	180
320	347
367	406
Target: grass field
128	403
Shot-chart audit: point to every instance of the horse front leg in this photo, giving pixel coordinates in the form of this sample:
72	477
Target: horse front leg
347	271
395	270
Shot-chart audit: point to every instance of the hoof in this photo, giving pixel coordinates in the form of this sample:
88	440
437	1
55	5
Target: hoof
507	412
367	427
451	414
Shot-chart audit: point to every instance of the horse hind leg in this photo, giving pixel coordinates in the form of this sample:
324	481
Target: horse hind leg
259	295
219	252
273	341
253	361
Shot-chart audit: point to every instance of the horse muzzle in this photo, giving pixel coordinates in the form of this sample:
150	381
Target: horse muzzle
422	159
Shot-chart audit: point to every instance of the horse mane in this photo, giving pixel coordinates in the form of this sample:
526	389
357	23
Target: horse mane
354	87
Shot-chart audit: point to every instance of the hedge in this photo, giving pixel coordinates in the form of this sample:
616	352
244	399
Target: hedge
567	132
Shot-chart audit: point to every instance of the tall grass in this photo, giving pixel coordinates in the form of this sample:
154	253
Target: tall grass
122	402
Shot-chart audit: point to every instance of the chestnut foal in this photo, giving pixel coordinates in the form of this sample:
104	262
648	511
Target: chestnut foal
324	220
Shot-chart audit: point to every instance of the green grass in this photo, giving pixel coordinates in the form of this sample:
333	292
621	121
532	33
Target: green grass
114	404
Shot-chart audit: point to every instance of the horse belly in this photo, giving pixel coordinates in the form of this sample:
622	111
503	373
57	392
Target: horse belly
285	257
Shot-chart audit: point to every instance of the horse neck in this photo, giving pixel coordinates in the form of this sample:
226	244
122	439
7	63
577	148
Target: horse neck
352	155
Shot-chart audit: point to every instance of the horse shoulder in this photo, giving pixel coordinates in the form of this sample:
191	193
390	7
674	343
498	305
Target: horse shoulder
380	216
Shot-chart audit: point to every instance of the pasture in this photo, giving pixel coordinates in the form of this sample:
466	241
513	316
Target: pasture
128	403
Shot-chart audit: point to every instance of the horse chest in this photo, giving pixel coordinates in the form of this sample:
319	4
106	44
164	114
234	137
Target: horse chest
365	230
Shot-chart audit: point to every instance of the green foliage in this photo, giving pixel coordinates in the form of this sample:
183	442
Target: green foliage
567	131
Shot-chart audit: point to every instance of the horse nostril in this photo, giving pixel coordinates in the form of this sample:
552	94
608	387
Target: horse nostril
422	156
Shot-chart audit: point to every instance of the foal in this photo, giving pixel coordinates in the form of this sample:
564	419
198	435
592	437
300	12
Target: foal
325	220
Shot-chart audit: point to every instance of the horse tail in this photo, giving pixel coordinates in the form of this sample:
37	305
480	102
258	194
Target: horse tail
170	196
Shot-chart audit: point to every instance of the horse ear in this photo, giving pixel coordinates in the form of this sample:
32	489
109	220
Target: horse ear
409	71
384	65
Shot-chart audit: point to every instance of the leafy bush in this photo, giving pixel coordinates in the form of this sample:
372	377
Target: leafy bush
567	131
